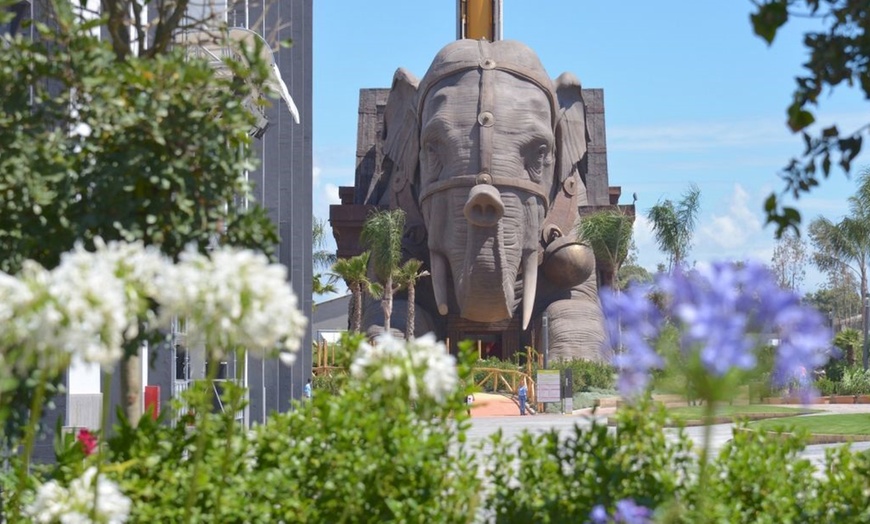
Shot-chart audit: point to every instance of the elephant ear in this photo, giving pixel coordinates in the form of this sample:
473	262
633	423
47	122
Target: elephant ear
569	190
398	136
572	136
401	154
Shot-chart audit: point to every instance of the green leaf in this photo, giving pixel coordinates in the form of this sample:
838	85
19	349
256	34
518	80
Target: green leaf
799	118
769	18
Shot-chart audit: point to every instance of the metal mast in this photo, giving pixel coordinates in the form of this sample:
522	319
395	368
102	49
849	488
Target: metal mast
479	19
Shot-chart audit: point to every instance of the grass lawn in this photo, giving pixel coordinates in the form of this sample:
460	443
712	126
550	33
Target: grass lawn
692	415
855	424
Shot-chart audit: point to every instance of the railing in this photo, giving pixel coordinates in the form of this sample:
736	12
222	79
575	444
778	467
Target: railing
326	371
508	378
183	385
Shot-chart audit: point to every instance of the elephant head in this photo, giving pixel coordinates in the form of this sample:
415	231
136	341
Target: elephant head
484	155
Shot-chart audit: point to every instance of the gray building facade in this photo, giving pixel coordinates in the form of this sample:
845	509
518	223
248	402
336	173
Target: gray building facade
282	182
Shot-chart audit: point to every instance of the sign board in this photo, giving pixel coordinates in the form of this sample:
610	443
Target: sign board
152	401
548	385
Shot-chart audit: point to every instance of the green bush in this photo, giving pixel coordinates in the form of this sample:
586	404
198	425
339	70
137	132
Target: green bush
834	369
587	374
587	399
363	454
855	381
849	341
827	387
550	478
329	383
494	386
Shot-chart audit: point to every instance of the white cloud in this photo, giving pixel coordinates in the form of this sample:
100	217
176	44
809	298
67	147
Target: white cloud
330	192
696	136
648	254
737	226
315	175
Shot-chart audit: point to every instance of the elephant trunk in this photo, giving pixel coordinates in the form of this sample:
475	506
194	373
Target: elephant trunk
493	248
484	287
497	256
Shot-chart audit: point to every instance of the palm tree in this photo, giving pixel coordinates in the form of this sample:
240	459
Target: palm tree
674	225
354	271
846	244
321	258
407	276
321	287
382	235
609	235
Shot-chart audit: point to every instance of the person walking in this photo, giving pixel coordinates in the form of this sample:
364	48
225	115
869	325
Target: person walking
306	391
523	394
469	400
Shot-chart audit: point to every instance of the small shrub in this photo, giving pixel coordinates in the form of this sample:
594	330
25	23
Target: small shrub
826	387
587	374
553	477
493	386
849	342
835	368
329	383
587	399
855	381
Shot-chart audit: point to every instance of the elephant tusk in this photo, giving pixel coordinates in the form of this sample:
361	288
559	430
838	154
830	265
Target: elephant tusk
439	281
530	284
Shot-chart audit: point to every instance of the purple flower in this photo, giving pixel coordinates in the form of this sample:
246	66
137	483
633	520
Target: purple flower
724	312
710	307
632	321
627	512
630	513
598	515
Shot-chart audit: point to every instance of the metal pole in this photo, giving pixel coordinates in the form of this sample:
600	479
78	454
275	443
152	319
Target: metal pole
866	346
545	339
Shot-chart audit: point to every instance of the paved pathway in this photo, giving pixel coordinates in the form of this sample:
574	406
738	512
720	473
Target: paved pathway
491	413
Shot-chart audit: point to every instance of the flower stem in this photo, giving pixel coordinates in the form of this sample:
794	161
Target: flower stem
709	414
29	441
230	419
104	432
202	413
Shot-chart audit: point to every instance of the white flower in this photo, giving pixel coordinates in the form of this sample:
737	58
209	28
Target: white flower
55	503
94	302
234	298
423	359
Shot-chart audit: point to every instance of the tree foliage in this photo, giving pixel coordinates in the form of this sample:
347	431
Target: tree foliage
839	299
674	224
845	245
406	277
609	234
354	271
633	274
382	235
151	149
839	53
789	261
321	257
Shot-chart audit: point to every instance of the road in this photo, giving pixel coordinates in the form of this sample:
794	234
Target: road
512	426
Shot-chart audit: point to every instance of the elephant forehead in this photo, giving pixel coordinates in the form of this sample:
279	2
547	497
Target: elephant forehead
457	104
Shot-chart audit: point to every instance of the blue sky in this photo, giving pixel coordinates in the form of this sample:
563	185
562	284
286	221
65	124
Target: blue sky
691	95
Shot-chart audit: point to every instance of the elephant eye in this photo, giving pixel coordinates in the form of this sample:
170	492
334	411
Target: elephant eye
537	161
432	161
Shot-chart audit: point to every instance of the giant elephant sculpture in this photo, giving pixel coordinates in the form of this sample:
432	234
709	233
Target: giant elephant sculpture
485	155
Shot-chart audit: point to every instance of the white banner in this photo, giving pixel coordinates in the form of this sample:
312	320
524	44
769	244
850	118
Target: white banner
548	385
